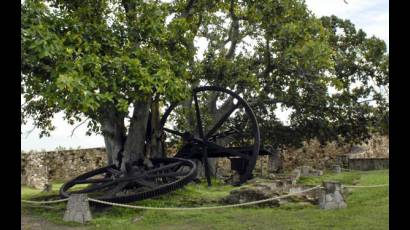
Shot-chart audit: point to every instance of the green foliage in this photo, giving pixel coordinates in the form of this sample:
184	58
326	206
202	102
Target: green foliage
82	58
292	62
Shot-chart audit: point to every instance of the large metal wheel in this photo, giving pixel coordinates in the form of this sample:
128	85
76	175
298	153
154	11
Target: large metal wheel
229	130
137	183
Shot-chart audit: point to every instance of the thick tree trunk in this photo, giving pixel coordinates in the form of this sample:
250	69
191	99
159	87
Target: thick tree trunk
155	148
212	162
134	146
190	117
113	130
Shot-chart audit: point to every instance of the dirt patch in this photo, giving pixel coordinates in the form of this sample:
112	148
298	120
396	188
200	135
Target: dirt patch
35	223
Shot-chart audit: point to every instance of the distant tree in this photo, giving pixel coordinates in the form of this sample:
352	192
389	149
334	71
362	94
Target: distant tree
276	54
362	72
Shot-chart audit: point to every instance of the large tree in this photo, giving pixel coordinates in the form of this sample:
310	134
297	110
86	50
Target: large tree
98	60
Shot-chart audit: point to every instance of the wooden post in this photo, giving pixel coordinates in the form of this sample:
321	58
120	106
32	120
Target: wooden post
78	209
331	196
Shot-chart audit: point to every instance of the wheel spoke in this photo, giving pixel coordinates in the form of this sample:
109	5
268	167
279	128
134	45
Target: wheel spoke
114	171
206	165
218	124
173	132
228	134
146	183
167	174
115	180
95	187
166	167
201	135
117	188
221	149
198	118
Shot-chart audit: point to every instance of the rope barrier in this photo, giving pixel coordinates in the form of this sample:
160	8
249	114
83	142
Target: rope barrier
201	208
44	202
366	186
42	206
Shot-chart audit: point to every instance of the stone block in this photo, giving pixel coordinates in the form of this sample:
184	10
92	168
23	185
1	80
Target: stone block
309	171
296	173
317	173
331	196
336	169
78	209
305	170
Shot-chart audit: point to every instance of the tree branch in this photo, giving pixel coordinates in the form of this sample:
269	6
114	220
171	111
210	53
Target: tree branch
29	132
72	131
25	103
130	14
234	32
268	65
368	100
188	11
226	106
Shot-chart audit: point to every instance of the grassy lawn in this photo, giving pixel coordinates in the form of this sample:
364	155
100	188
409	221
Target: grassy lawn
368	208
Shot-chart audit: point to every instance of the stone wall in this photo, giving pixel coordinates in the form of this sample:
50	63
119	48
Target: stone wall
317	156
377	147
368	163
38	168
321	157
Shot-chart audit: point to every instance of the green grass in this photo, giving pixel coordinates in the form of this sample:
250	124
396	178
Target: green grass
368	208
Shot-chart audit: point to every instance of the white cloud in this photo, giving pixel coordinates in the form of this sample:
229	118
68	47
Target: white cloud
60	137
372	16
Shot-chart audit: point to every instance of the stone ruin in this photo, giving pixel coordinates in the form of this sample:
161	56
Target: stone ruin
280	184
324	156
329	196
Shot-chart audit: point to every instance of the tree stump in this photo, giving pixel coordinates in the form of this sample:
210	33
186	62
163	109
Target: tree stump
331	197
78	209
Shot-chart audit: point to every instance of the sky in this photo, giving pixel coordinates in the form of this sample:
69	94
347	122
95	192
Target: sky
372	16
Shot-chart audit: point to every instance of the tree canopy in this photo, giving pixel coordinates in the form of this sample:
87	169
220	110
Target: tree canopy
82	57
97	59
